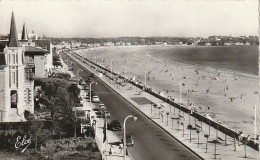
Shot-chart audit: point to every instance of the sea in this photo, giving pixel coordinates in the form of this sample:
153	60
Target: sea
242	59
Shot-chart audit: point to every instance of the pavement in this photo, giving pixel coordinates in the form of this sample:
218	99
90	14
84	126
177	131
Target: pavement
111	140
177	122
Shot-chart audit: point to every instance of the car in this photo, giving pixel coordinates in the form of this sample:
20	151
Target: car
100	105
82	82
129	141
107	114
85	87
115	125
88	80
95	99
102	108
91	75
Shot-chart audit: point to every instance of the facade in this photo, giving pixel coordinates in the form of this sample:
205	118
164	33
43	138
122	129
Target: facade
16	80
38	54
46	45
37	59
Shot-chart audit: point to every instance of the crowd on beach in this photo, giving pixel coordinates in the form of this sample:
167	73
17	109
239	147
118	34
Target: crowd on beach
225	96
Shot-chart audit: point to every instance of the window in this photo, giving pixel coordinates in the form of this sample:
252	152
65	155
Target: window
14	99
13	59
28	96
28	74
13	77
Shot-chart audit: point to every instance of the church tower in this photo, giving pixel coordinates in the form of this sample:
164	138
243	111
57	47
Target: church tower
16	86
24	33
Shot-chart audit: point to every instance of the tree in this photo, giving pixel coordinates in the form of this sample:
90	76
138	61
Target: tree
59	97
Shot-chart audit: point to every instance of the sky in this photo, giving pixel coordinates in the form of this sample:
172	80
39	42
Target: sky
143	18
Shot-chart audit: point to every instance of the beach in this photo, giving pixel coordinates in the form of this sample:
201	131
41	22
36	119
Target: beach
224	95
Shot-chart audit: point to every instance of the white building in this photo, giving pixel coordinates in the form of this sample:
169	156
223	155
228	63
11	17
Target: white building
16	89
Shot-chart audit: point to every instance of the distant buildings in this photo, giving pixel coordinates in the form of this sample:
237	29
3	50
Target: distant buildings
108	44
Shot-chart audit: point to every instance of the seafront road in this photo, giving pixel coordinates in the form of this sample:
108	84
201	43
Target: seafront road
150	141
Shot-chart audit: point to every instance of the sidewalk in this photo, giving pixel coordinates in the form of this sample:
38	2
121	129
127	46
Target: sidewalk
176	125
112	139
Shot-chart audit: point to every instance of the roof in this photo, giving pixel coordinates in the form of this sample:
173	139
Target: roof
13	38
34	50
24	33
2	59
44	43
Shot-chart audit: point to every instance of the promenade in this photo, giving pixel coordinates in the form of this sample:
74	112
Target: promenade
176	123
111	138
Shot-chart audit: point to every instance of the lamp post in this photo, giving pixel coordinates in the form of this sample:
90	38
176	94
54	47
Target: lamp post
182	123
152	107
134	118
167	113
159	110
169	104
90	90
206	136
78	75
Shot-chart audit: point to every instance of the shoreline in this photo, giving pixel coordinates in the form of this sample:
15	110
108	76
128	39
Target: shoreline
229	71
217	103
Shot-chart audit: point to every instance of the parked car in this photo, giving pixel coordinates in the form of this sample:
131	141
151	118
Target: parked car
104	112
129	141
88	80
107	114
95	99
82	82
85	87
102	108
115	125
91	75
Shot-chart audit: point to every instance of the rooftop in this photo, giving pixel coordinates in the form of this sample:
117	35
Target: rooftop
44	43
30	49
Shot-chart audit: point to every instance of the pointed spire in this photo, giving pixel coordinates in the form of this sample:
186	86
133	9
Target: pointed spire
24	33
13	40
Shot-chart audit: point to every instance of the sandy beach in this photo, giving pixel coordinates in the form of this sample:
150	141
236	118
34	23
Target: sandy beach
227	96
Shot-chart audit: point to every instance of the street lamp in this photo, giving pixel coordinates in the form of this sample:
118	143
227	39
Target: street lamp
90	90
181	84
159	107
78	75
134	118
167	113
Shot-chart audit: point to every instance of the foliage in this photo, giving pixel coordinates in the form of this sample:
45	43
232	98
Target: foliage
65	76
59	96
55	57
56	63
